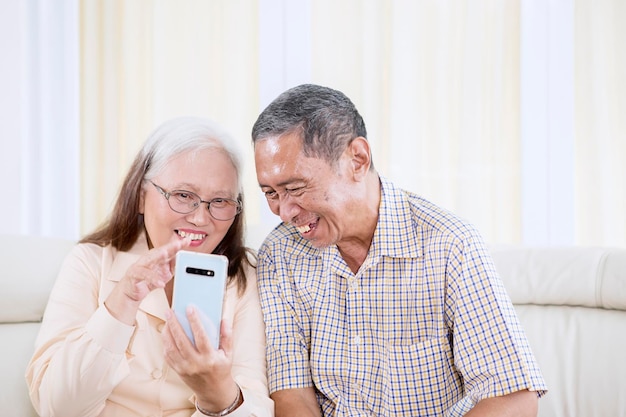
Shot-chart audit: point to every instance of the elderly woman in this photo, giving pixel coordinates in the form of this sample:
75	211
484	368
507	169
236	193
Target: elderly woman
109	344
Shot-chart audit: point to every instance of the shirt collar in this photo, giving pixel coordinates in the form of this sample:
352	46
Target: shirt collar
396	235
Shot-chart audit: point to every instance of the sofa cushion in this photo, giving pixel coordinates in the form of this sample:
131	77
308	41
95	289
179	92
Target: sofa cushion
580	351
586	277
14	399
30	269
572	305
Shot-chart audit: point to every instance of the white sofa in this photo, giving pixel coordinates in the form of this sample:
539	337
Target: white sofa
571	301
572	304
29	268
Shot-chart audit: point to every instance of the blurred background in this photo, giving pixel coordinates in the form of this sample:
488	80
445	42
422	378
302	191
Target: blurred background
510	113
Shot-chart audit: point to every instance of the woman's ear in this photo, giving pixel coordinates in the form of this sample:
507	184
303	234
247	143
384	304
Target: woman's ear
142	200
361	156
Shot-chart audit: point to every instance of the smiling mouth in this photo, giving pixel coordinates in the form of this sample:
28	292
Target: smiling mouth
306	228
194	236
303	229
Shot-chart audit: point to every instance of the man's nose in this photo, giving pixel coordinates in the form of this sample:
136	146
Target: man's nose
287	209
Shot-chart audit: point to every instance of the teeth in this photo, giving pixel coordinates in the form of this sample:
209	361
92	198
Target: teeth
303	229
194	236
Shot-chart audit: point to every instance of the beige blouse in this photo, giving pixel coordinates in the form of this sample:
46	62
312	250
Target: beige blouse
86	363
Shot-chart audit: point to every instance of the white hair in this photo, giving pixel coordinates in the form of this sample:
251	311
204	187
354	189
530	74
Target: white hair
184	134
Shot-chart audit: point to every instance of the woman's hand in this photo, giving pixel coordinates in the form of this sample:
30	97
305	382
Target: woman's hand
206	370
151	271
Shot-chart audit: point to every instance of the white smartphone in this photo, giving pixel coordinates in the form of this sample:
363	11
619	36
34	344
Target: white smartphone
200	280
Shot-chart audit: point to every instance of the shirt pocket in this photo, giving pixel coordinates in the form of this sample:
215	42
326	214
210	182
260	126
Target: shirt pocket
422	380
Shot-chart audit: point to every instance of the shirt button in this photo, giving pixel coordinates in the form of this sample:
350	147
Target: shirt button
157	373
356	340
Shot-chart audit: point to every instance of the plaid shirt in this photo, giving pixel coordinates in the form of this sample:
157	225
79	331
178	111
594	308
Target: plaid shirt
424	328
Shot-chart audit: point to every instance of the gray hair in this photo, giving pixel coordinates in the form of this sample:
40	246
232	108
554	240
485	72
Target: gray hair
183	134
327	120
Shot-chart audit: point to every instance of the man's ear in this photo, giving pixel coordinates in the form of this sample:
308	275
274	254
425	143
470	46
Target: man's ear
360	156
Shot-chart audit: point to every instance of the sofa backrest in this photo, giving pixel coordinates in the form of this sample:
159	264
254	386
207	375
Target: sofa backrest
572	304
29	268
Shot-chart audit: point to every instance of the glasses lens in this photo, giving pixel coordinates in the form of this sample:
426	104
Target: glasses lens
184	202
223	208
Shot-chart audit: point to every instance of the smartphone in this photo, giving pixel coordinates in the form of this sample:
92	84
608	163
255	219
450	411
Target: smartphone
200	280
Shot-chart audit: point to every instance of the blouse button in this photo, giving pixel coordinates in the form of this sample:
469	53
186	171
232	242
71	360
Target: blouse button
157	373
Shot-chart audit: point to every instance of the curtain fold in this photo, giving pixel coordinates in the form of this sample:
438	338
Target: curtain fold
145	61
438	86
600	61
438	83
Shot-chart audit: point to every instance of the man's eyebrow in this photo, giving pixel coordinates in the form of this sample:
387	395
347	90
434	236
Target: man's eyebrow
282	184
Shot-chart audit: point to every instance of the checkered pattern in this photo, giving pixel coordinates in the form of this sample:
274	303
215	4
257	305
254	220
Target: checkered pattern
425	327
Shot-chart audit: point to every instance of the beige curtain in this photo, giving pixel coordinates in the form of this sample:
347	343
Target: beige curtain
438	86
438	83
145	61
600	53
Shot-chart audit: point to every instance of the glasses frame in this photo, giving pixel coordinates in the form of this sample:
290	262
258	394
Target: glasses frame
168	194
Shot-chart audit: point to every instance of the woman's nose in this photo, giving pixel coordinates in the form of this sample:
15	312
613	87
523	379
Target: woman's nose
200	216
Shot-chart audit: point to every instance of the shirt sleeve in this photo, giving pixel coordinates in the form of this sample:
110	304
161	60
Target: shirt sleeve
249	366
80	351
491	350
287	342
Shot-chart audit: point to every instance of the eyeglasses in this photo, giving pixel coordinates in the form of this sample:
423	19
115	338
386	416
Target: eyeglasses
184	202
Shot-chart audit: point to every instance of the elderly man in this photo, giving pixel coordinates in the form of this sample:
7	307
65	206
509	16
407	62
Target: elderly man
376	301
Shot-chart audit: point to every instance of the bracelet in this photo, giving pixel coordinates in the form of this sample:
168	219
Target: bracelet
225	411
